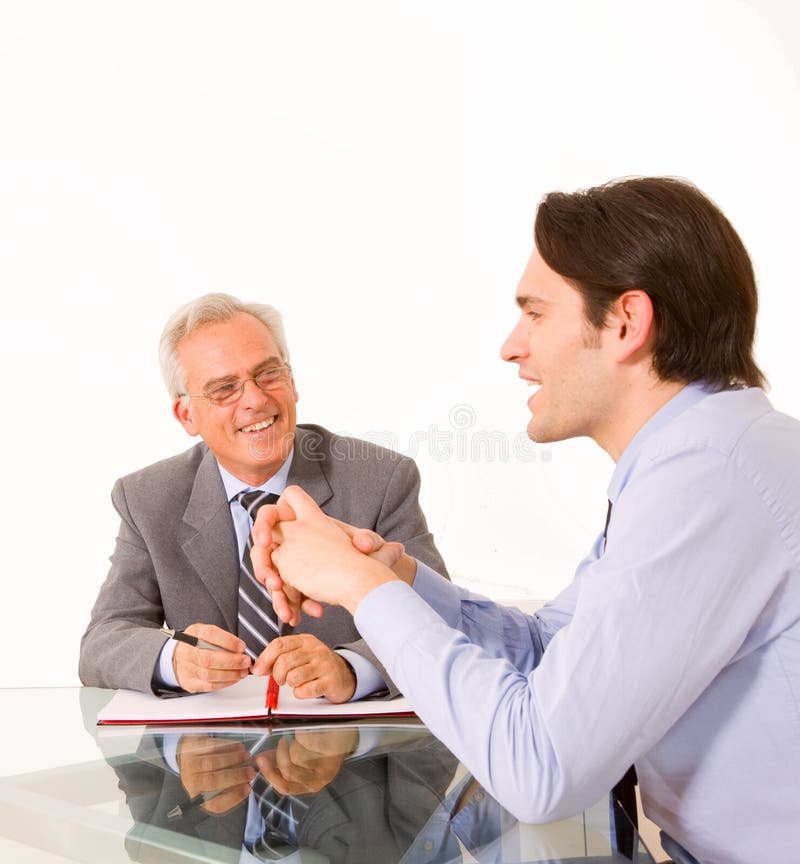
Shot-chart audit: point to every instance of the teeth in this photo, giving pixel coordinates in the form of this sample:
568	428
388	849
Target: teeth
257	427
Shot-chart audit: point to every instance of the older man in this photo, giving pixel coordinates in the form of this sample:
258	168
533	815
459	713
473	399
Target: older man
181	556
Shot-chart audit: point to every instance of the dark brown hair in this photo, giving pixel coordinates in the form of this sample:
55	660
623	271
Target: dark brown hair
665	237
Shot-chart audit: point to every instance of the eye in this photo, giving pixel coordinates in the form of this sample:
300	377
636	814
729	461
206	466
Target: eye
534	316
269	376
223	391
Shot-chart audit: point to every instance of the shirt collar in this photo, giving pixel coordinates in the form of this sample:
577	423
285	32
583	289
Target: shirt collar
690	395
276	483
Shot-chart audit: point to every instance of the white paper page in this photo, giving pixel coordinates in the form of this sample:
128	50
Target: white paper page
245	699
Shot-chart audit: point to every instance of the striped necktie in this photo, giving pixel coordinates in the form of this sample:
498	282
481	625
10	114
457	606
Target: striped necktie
281	814
258	623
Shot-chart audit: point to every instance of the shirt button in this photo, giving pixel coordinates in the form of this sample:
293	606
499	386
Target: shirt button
428	845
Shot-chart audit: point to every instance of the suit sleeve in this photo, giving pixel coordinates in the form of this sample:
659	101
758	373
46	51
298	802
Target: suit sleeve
122	643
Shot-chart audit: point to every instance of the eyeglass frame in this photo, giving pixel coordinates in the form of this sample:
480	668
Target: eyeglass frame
242	381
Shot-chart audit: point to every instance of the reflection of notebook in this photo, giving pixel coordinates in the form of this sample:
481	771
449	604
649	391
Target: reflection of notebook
242	701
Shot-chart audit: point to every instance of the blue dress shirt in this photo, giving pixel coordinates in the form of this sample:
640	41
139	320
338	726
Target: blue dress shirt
678	648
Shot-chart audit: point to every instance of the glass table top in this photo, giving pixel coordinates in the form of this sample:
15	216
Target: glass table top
372	792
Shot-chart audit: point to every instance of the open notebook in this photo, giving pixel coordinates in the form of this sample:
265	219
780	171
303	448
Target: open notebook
243	701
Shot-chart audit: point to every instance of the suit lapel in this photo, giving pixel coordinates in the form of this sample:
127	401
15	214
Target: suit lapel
306	470
211	548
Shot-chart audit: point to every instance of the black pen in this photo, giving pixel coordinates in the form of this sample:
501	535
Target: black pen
197	642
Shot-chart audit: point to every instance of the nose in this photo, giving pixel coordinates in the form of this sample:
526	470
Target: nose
252	395
516	345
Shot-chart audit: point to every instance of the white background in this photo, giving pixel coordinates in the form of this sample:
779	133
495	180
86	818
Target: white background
372	169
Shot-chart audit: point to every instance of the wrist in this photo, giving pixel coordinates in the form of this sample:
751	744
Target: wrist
369	577
406	569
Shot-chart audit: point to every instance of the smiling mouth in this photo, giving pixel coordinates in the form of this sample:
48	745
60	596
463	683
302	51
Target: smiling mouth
258	427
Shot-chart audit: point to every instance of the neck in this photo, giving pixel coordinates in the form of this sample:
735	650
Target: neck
632	408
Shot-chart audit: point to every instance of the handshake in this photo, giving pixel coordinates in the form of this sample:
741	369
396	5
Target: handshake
305	558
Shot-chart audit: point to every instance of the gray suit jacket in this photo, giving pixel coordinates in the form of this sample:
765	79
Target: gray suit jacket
176	558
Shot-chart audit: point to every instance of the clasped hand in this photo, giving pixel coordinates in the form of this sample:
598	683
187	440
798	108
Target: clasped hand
220	772
306	558
300	660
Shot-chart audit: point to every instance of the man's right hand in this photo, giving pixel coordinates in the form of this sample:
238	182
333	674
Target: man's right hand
200	670
217	769
288	602
306	762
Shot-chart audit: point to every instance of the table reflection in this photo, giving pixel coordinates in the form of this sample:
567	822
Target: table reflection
372	792
347	794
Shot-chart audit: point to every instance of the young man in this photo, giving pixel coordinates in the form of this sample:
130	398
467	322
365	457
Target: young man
677	645
185	525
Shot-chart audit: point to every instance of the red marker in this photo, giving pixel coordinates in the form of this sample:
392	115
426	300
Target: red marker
272	695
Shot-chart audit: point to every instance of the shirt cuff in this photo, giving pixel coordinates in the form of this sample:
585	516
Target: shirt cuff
391	616
438	593
169	750
164	677
368	679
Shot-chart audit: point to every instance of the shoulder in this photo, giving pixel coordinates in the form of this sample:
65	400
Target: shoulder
344	453
735	446
738	425
171	478
354	479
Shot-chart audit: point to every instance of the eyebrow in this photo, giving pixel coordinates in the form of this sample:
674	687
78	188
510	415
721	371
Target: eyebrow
523	300
259	367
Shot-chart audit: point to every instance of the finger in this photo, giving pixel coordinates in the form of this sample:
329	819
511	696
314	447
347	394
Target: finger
227	800
390	553
266	528
366	541
300	505
277	647
286	605
195	675
217	636
215	781
292	772
192	684
267	518
208	759
312	608
270	768
329	742
309	687
214	662
264	570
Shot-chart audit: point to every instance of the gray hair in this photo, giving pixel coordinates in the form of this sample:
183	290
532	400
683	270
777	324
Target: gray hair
209	309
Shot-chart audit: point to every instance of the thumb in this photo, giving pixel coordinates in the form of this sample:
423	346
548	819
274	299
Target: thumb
301	504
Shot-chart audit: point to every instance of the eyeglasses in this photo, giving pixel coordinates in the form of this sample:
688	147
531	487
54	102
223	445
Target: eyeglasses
231	391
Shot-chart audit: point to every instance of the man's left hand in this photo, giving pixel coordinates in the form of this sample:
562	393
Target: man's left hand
308	666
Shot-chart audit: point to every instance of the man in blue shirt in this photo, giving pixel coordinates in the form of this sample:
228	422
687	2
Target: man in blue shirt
677	645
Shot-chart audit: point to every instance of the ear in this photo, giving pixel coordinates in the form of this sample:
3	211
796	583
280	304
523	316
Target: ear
183	414
630	324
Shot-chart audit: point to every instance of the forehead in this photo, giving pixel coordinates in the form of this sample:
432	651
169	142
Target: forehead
232	347
541	285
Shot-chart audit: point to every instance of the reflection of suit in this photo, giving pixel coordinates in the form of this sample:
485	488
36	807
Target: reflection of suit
176	559
370	812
